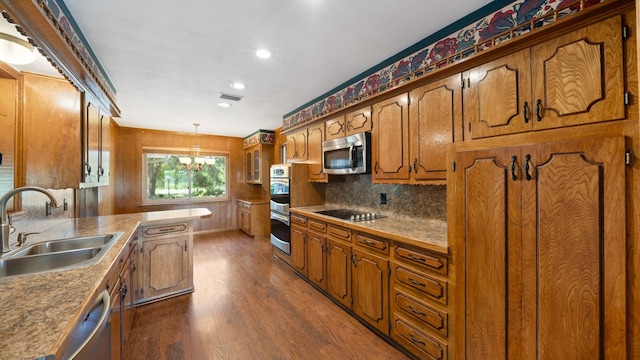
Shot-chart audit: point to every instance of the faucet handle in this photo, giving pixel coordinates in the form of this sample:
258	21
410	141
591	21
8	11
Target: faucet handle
22	238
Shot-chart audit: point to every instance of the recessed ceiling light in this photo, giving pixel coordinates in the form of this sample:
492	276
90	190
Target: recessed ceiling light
224	104
263	53
238	85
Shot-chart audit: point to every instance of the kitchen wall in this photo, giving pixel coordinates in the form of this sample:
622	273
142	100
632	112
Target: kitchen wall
417	201
128	175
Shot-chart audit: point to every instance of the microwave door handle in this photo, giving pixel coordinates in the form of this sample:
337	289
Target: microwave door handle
351	157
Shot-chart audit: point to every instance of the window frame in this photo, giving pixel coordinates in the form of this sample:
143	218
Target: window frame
181	151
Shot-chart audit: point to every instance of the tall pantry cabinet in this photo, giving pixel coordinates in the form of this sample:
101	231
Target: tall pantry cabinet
540	191
543	249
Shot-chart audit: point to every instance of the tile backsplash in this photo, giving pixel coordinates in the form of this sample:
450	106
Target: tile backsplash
415	201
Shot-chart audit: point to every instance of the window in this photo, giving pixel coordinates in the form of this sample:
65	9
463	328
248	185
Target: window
165	179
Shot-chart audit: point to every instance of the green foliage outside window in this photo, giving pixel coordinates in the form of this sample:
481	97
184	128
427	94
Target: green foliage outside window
168	180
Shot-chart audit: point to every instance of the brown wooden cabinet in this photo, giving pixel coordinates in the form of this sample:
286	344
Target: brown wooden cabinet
316	253
390	140
314	146
165	260
352	123
298	241
121	284
573	79
52	133
253	217
297	146
370	292
258	159
435	113
339	264
540	241
419	301
95	143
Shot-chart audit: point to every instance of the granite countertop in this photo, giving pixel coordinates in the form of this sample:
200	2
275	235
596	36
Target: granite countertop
429	234
254	201
39	310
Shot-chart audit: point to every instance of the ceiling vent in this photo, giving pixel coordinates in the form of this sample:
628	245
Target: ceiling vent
230	97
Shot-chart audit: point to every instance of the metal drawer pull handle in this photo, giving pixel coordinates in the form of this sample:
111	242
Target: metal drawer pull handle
514	177
539	109
527	167
524	110
416	340
416	282
413	257
413	310
367	242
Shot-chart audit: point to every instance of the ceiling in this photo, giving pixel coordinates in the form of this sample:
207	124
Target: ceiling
170	61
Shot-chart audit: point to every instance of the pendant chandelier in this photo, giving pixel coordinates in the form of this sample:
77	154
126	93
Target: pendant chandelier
195	162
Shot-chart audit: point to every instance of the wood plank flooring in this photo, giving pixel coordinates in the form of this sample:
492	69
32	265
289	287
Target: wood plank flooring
249	305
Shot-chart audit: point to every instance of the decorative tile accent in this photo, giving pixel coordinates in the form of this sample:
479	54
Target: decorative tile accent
266	137
511	21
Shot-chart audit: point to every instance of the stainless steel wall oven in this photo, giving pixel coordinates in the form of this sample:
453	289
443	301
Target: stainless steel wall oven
279	190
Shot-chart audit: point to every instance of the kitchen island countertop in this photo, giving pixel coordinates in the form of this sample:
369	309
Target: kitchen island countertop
38	311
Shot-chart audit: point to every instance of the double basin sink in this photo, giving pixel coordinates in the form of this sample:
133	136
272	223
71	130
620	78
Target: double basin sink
57	254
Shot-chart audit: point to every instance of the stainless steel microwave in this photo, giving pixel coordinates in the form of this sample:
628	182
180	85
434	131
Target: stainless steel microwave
347	155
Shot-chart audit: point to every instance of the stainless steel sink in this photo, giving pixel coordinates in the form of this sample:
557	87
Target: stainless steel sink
51	246
57	254
30	264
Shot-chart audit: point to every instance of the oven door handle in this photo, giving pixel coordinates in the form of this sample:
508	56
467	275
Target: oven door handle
279	207
282	218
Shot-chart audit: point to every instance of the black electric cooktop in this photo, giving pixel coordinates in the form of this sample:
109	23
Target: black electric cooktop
352	215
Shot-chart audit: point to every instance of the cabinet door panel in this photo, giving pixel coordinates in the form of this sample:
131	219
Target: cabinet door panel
370	289
434	111
314	145
298	249
576	202
491	228
92	141
358	121
334	128
579	77
339	272
166	266
316	260
390	138
495	96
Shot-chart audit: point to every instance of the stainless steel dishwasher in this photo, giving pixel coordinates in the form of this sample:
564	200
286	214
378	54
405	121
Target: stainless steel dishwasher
91	341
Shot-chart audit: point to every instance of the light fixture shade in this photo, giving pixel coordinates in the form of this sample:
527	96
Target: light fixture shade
16	51
185	160
209	161
199	160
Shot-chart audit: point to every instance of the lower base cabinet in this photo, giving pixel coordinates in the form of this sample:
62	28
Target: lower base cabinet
400	291
165	260
122	311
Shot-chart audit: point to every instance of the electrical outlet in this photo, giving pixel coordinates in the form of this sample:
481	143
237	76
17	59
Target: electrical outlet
383	198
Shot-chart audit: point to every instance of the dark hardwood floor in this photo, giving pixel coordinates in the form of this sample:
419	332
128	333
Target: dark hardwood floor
249	305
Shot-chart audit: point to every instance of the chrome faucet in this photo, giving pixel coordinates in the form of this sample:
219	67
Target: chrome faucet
5	224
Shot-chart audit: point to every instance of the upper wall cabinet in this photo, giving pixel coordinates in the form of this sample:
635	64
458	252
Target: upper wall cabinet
390	140
51	147
352	123
297	146
314	146
95	140
573	79
258	160
435	110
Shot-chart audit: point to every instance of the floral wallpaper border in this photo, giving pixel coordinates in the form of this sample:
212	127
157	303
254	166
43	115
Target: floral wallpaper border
510	21
67	27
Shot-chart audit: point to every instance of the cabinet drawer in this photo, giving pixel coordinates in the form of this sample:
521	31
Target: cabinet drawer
425	259
434	318
370	242
300	220
419	342
434	288
158	230
316	225
339	233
